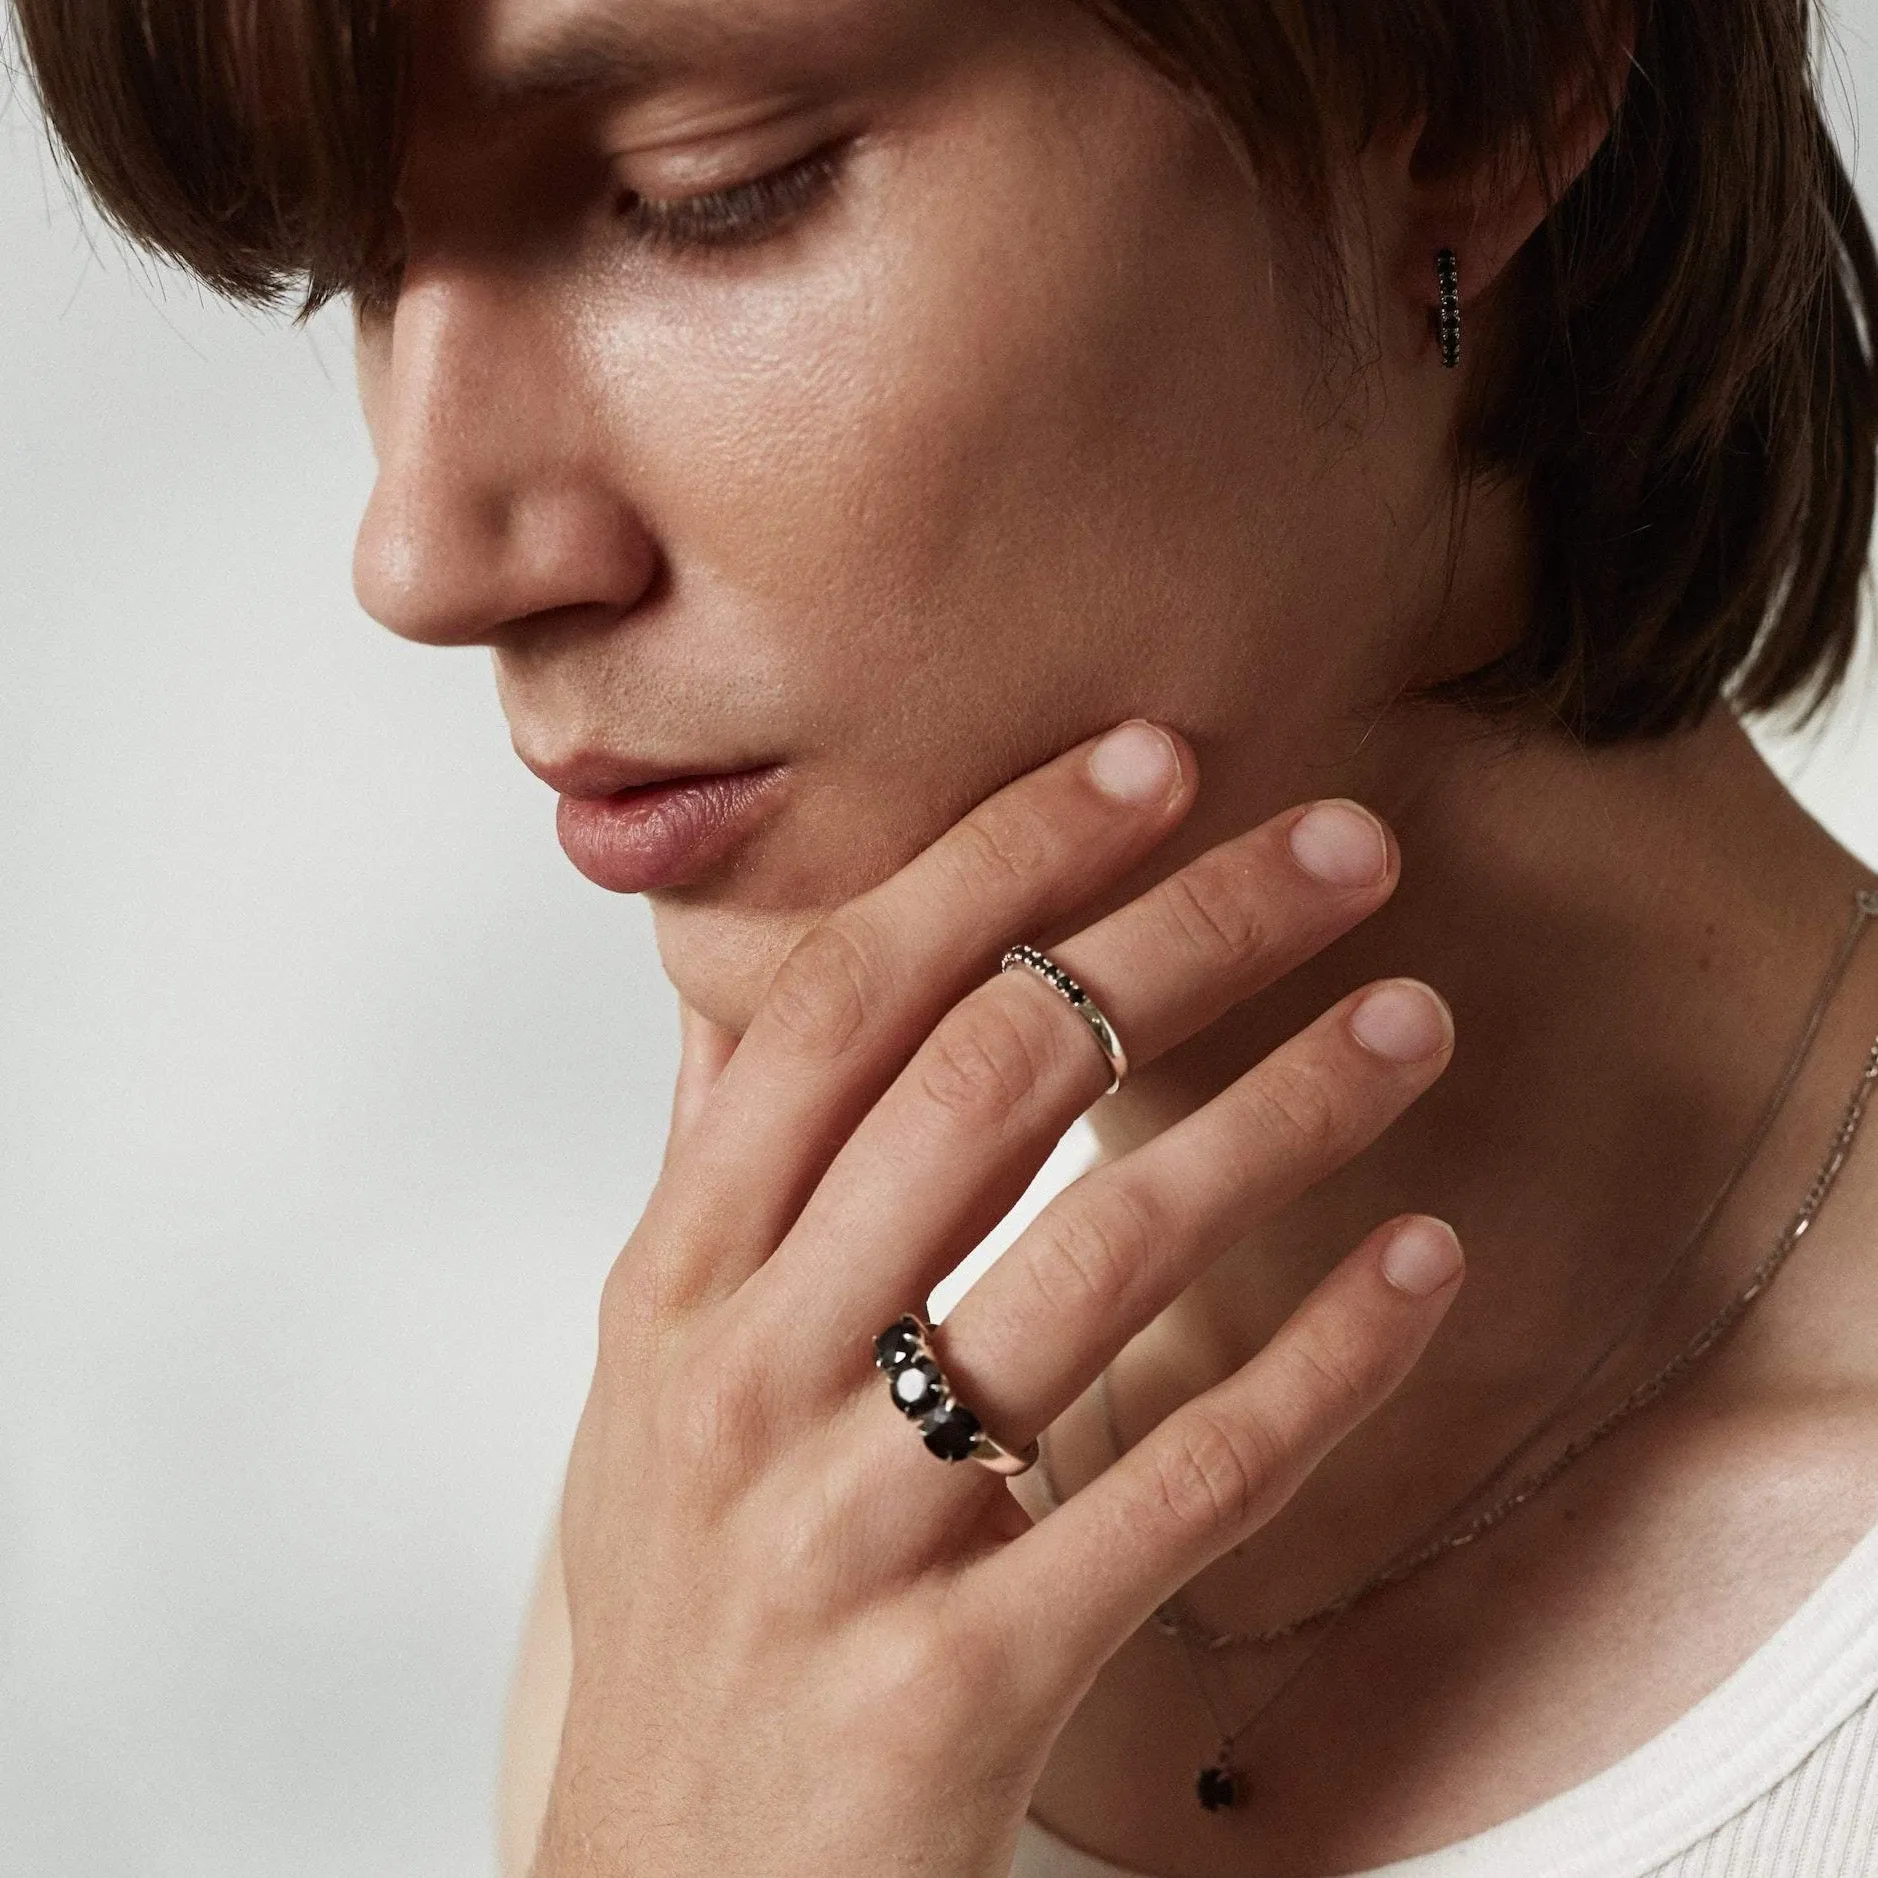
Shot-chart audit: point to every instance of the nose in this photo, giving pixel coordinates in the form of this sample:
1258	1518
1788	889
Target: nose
498	497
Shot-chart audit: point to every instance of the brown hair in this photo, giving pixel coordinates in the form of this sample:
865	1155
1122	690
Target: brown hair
1685	388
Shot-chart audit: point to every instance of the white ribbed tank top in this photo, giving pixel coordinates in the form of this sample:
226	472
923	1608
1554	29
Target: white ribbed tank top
1772	1775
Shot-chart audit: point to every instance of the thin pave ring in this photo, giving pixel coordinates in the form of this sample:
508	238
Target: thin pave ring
1078	1000
904	1351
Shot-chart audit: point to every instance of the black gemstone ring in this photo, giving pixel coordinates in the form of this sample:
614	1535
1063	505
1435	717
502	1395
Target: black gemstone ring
1078	1000
921	1393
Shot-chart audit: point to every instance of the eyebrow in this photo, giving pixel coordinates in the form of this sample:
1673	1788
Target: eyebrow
599	52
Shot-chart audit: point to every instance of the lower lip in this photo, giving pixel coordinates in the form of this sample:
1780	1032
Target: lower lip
664	834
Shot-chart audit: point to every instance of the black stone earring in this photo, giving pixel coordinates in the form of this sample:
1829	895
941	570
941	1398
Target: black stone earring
1448	316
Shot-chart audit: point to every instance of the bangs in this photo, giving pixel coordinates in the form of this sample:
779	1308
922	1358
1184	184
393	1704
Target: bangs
1682	378
253	142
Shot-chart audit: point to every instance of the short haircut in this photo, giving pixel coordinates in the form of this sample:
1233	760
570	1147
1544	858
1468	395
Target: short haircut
1684	387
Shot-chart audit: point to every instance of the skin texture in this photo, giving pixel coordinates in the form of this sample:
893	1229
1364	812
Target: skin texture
1023	430
767	461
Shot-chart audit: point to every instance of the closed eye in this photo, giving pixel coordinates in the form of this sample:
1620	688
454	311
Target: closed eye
736	217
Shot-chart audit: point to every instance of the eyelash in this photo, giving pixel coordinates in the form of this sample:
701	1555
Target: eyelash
740	216
737	217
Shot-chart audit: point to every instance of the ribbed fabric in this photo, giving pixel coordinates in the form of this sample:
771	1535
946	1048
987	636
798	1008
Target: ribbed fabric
1772	1775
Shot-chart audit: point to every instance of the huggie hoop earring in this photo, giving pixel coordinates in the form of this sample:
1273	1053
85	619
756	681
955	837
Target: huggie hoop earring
1448	317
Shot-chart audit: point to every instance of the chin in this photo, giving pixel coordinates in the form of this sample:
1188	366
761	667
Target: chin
719	959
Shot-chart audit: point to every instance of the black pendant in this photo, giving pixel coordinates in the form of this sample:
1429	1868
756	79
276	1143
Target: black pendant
1217	1787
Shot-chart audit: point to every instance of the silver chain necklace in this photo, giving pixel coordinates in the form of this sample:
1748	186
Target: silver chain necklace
1220	1784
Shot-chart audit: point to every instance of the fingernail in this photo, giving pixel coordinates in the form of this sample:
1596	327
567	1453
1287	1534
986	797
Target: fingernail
1340	844
1403	1021
1136	764
1422	1257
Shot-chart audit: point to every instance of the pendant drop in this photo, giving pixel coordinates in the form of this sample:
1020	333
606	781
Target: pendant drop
1217	1787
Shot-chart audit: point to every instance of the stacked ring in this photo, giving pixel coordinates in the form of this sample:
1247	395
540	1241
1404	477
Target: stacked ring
904	1351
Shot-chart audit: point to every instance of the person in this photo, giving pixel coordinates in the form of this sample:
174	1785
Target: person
1115	547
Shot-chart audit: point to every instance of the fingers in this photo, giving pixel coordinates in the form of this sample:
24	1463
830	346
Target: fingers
1219	1467
954	1142
1120	1244
859	993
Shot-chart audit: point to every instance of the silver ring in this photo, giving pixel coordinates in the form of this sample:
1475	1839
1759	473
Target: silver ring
1078	1000
904	1351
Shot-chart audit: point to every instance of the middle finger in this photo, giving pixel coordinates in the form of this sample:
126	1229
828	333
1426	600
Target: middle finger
959	1135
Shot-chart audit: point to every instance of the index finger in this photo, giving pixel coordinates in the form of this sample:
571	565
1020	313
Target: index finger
859	993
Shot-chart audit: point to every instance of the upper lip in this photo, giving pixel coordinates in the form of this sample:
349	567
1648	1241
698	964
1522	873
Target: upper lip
593	774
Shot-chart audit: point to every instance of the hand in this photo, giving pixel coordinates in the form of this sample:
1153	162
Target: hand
802	1645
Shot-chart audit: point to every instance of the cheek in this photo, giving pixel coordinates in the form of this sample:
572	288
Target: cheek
1022	423
1028	448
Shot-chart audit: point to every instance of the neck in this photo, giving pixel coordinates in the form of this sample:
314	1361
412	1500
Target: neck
1631	940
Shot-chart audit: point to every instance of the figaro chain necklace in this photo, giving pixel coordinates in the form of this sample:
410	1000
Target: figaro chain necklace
1221	1783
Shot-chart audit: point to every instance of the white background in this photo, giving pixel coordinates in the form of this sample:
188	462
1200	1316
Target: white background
327	1093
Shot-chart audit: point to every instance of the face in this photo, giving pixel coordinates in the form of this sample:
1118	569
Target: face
865	399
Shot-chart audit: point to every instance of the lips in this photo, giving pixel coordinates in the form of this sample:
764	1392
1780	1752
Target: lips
656	832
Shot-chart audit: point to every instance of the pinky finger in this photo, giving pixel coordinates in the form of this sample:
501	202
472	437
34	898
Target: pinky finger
1222	1465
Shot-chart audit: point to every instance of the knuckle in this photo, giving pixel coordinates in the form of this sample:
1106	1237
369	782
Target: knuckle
1342	1376
982	1061
1000	844
712	1419
1088	1252
1335	1378
919	1669
1213	1477
794	1559
824	990
1294	1104
945	1666
936	1668
1213	905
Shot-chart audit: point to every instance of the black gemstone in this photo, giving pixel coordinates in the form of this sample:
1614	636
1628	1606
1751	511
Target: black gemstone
897	1345
1217	1788
951	1432
917	1390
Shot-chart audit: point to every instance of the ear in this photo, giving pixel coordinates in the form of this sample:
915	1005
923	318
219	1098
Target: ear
1485	204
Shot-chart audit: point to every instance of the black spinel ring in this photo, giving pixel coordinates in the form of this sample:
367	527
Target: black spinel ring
904	1351
1079	1001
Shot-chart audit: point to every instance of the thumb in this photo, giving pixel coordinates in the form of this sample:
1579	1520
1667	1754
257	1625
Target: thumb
703	1049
